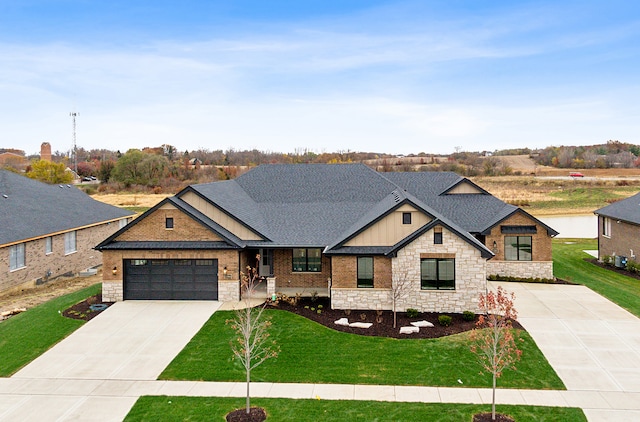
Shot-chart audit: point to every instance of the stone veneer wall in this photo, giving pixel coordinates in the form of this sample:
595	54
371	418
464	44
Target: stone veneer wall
228	290
524	269
470	280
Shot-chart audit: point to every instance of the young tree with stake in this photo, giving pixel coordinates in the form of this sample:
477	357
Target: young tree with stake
493	340
252	346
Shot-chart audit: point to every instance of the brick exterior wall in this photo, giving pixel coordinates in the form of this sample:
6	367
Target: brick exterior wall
470	268
38	262
227	287
152	228
624	238
540	241
286	277
344	272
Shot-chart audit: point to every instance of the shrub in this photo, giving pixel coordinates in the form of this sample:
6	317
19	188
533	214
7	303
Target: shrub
633	267
412	313
444	320
468	316
606	260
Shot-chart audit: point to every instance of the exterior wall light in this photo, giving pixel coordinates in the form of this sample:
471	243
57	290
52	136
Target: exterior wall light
114	271
495	247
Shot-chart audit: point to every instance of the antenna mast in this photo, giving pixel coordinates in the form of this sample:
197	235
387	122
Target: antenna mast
73	115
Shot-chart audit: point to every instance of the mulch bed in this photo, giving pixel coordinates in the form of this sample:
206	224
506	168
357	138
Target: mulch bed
382	324
256	414
622	271
84	310
486	417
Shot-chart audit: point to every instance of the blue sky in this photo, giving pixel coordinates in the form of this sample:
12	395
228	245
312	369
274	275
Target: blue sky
386	76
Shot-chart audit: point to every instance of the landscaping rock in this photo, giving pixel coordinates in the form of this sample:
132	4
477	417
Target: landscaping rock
409	330
360	324
343	322
422	324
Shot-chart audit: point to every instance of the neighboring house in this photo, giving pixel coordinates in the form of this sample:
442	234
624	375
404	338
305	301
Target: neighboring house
343	229
49	230
619	229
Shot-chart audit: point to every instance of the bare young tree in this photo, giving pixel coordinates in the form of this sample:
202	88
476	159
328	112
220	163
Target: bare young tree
400	288
252	346
493	340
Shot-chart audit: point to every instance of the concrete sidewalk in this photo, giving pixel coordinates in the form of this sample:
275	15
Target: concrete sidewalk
110	400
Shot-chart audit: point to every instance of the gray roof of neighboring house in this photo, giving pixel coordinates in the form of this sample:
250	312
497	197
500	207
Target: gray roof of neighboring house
31	209
626	210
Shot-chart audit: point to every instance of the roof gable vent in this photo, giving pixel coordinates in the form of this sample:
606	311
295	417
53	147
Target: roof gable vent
396	196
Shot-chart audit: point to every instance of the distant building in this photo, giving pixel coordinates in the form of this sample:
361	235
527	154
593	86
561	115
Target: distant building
619	230
45	151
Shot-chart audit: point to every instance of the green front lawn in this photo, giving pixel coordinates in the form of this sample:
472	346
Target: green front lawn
26	336
569	264
312	353
156	408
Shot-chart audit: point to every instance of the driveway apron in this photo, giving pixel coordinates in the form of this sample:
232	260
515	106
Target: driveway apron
592	343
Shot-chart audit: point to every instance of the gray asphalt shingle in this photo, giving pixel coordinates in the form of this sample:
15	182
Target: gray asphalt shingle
626	210
29	208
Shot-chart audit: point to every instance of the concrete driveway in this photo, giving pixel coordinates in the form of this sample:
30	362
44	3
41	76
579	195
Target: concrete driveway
592	343
130	340
83	377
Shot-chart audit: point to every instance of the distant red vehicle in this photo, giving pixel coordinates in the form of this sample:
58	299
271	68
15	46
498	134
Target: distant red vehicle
576	174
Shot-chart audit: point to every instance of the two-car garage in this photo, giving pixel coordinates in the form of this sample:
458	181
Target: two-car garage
170	279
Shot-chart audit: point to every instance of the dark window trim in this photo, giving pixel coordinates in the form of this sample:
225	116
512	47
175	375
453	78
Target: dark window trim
518	229
168	223
364	282
518	248
406	218
437	238
305	267
438	281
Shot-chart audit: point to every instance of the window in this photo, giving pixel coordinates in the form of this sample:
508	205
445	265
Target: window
168	223
606	226
517	248
365	271
437	236
438	273
70	243
307	260
406	218
48	245
16	257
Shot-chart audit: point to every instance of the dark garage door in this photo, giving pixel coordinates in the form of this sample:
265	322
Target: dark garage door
167	279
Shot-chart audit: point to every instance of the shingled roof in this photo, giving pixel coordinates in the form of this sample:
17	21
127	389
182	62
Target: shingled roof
31	209
626	210
324	205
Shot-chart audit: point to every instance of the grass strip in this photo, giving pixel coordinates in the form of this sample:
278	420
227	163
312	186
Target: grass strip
155	408
26	336
313	353
570	263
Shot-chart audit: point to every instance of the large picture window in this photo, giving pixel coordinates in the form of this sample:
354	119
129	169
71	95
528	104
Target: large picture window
70	243
16	257
307	260
365	271
517	248
438	273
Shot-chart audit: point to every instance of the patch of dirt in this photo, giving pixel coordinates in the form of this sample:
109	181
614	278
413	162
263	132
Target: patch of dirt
29	297
486	417
87	309
256	414
382	320
131	199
